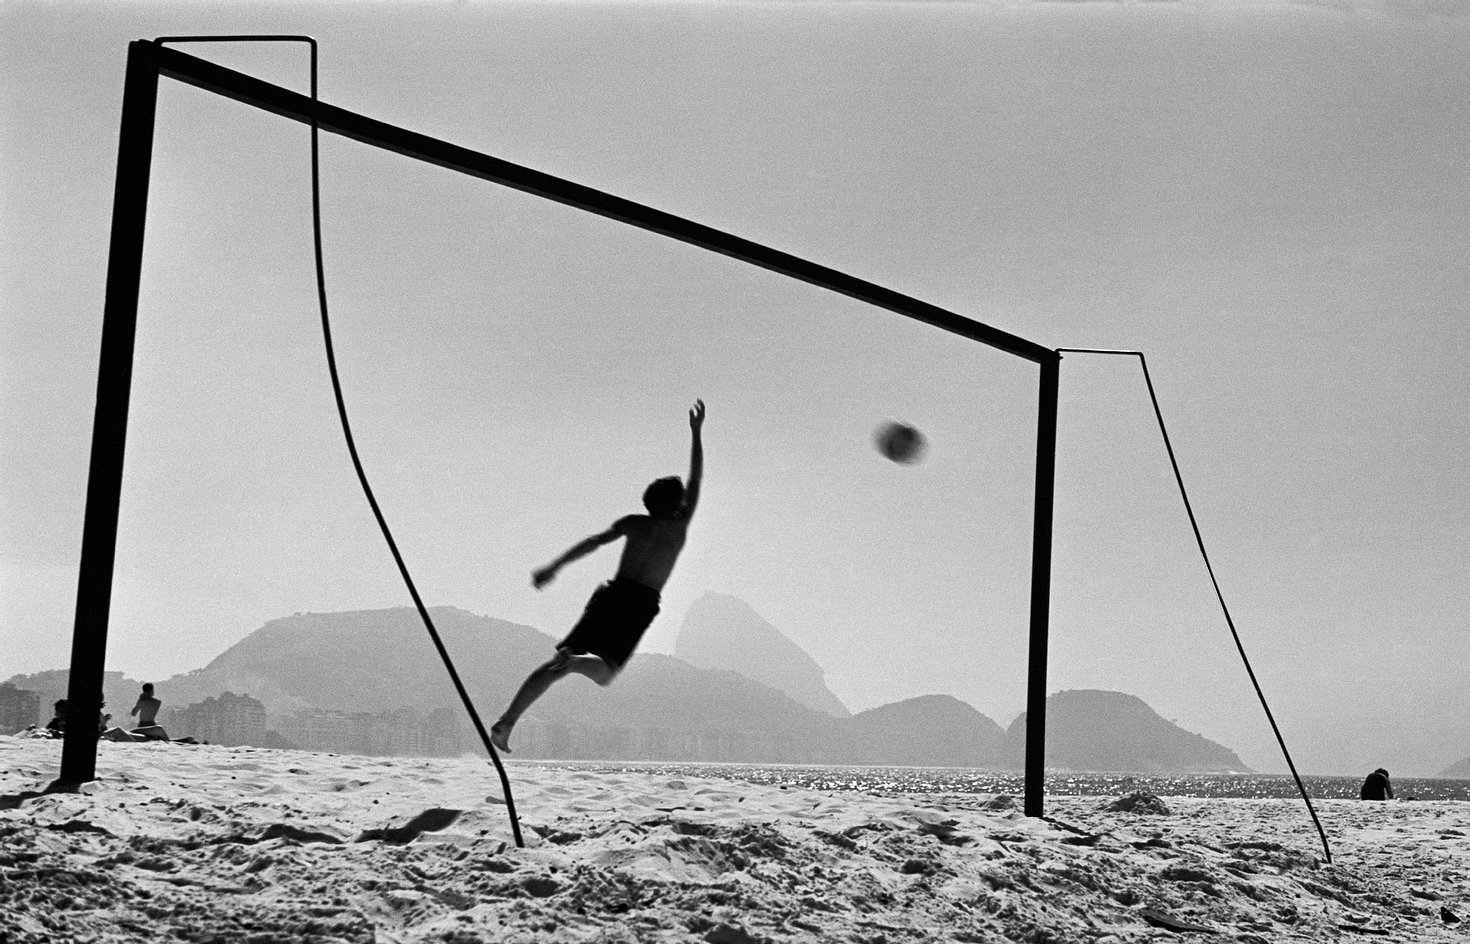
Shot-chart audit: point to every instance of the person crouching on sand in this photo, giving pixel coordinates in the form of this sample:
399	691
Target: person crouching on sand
57	724
621	609
1377	786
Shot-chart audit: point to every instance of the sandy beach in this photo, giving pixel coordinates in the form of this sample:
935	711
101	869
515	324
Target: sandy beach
210	843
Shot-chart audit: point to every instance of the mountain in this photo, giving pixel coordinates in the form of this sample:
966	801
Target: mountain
1109	731
370	681
320	674
369	661
1458	771
119	693
928	731
723	632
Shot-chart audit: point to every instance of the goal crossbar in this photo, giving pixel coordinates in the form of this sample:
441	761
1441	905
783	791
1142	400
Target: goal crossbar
248	90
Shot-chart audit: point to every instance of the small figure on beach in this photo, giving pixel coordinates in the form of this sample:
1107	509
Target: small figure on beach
57	724
146	708
111	732
621	609
1377	786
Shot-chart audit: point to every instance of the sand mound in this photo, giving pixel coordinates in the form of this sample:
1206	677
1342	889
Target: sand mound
1143	803
237	844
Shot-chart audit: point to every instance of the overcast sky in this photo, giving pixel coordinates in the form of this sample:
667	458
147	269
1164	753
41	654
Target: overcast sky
1271	200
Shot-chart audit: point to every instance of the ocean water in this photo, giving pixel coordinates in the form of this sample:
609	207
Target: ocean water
966	780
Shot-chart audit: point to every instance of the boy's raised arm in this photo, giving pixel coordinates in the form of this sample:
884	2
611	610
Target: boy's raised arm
696	456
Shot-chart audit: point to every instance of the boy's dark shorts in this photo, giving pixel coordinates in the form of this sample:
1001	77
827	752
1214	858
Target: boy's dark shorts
614	621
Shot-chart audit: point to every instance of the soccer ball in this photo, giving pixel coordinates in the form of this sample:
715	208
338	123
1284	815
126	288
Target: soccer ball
899	442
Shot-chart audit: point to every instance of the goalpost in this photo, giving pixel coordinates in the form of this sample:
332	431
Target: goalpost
147	61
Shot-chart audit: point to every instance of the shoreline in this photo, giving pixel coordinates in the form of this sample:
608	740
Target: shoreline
1076	783
205	842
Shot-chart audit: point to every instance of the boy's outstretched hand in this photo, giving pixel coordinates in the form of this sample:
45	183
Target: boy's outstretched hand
696	415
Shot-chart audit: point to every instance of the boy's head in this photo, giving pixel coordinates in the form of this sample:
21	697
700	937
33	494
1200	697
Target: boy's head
148	689
664	497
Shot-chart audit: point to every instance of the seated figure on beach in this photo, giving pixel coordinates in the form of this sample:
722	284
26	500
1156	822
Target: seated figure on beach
57	724
621	609
1377	786
110	732
146	709
55	728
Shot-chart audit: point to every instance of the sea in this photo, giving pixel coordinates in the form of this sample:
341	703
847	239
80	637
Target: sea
969	780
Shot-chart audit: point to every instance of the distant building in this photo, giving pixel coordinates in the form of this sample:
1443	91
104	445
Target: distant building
447	735
398	733
402	732
226	719
541	738
19	708
320	729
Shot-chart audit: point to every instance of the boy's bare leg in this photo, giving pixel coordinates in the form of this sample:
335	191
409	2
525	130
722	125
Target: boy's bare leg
593	667
535	685
538	682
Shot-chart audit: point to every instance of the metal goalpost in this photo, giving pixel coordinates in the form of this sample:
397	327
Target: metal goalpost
150	59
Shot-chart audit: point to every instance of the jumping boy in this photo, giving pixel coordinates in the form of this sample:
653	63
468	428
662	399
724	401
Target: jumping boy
621	609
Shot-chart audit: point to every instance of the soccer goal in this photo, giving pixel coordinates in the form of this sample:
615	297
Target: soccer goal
148	60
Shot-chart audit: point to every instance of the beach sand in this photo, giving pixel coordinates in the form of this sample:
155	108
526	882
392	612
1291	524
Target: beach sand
211	843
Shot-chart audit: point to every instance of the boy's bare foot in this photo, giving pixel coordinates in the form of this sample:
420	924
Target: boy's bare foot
500	737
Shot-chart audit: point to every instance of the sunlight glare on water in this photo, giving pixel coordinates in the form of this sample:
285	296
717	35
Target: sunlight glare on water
962	780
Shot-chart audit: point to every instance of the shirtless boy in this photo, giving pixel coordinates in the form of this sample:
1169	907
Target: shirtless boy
147	706
146	709
621	609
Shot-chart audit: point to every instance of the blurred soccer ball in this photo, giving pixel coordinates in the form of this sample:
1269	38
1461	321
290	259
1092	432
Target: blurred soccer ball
900	442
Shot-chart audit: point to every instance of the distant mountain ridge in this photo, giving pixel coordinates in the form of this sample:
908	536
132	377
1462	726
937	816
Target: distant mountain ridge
1093	730
368	660
884	736
372	663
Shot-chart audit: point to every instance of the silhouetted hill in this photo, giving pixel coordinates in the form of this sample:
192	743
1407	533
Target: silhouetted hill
368	660
1458	771
723	632
341	678
928	731
363	664
118	692
1110	731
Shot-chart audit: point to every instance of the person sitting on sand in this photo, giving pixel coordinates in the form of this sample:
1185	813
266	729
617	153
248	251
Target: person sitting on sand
147	711
621	609
113	732
1376	786
57	725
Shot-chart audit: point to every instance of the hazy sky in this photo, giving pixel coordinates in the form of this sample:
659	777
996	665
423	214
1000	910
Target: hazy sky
1272	200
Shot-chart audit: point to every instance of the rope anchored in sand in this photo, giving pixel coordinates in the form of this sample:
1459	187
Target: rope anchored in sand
321	285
